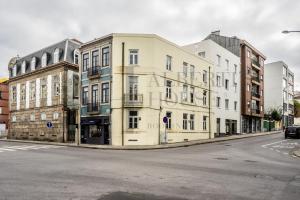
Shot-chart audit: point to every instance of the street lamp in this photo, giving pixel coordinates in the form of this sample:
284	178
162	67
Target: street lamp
286	32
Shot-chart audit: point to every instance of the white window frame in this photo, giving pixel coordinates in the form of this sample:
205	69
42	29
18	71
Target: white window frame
43	116
185	121
169	120
23	67
133	120
184	93
168	89
44	60
133	56
33	63
56	56
169	62
192	122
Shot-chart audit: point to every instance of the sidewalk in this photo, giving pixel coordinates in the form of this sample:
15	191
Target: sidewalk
144	147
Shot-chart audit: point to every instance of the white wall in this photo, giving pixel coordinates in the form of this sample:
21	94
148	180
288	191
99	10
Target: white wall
211	50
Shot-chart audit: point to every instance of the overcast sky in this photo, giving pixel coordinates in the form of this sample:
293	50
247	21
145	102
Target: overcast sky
27	26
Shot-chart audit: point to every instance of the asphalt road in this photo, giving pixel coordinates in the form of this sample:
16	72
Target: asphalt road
252	168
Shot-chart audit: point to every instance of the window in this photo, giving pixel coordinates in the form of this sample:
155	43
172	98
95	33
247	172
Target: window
261	77
43	116
168	89
218	102
227	64
105	93
23	92
95	59
192	122
185	121
219	81
218	60
32	117
76	56
133	119
192	94
85	62
14	94
14	71
248	53
43	88
204	97
226	84
13	118
202	54
56	85
133	88
204	122
284	83
192	71
235	105
76	86
226	104
248	87
33	63
94	94
184	69
44	60
204	76
235	87
235	68
184	93
32	90
284	71
23	67
169	63
105	57
169	121
85	95
133	56
56	56
55	115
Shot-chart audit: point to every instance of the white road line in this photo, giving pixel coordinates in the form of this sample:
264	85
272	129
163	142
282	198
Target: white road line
3	149
273	143
24	147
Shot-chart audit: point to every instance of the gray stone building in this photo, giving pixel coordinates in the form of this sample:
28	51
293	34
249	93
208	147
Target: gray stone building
44	94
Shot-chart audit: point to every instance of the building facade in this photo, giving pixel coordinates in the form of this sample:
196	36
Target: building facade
252	80
279	90
130	82
4	111
44	93
226	85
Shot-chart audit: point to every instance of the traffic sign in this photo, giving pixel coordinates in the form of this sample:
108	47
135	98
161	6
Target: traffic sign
49	125
165	120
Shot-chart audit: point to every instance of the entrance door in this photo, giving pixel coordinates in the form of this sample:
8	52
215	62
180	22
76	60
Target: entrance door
218	126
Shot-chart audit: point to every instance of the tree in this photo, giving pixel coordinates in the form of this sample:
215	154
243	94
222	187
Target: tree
296	108
274	114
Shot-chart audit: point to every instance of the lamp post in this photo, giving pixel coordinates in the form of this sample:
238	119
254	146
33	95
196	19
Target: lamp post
286	32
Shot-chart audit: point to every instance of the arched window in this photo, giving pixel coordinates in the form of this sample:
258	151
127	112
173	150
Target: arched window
33	63
44	60
23	67
56	56
76	56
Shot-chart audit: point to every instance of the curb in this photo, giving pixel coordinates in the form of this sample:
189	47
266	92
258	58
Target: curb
297	152
150	147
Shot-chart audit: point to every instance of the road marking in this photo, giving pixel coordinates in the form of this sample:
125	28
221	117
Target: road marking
272	143
25	148
4	149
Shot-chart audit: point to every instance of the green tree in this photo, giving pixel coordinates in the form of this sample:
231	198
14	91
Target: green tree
296	108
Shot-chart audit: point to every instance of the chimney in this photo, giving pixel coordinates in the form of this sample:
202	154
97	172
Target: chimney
216	32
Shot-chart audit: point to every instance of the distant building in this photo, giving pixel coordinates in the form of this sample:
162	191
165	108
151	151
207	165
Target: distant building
226	85
44	94
130	82
4	112
252	80
279	90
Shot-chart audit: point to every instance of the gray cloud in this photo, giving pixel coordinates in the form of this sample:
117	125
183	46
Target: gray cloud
29	25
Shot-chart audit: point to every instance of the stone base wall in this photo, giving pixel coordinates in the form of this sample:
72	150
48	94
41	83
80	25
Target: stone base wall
24	128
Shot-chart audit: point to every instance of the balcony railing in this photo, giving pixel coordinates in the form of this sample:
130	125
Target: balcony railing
133	100
255	94
255	62
93	107
255	78
94	72
255	111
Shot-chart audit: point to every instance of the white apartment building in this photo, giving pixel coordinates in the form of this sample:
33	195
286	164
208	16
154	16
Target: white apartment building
279	90
149	78
226	85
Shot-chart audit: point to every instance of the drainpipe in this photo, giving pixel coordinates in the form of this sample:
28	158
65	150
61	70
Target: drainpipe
122	107
209	103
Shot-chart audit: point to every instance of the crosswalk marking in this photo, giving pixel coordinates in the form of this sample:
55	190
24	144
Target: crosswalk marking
26	147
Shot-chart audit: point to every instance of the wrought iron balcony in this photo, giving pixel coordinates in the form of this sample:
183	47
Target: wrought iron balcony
94	72
255	111
93	107
255	94
255	78
133	100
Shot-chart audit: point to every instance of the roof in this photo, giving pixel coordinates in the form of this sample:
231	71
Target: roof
4	79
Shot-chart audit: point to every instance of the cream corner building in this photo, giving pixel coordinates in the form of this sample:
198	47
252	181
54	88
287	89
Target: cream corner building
150	78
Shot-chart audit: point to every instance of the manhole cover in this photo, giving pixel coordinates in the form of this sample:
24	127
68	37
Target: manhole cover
135	196
221	158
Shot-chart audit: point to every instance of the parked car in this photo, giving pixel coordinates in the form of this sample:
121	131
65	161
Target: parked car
292	131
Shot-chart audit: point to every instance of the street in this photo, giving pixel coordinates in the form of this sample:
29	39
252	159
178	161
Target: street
252	168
